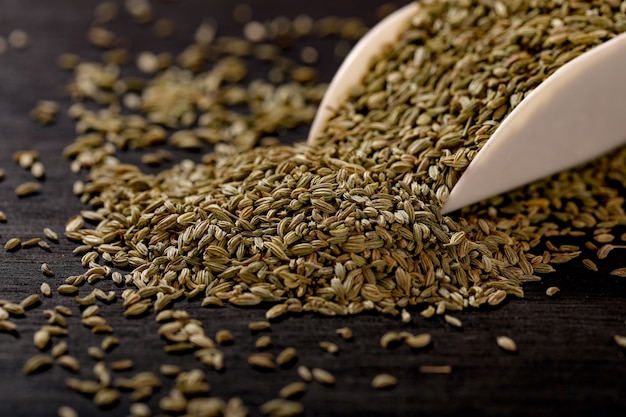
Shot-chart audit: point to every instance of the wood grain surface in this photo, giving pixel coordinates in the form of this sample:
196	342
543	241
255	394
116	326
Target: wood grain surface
567	362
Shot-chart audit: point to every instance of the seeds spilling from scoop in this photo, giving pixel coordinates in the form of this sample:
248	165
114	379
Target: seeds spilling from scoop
348	225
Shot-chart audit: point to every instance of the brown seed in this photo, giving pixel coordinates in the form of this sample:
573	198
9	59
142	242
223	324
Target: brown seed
206	407
27	189
44	245
619	272
101	372
309	55
256	326
174	403
55	318
106	397
69	362
178	345
105	12
590	265
245	300
345	333
242	13
151	159
263	342
84	387
59	349
205	33
45	269
136	309
202	341
93	321
304	373
36	364
65	289
74	223
140	410
418	341
164	28
212	301
30	242
30	301
384	381
109	343
390	339
494	299
604	238
66	411
95	353
322	376
122	365
90	311
255	31
25	158
50	234
68	61
276	311
329	347
66	311
86	300
8	326
55	330
148	63
453	321
18	39
101	37
261	360
506	343
12	244
551	291
170	370
224	337
604	251
405	316
38	170
294	389
41	338
286	356
282	408
435	369
13	309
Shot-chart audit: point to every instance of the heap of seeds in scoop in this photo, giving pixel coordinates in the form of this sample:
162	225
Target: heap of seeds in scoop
353	223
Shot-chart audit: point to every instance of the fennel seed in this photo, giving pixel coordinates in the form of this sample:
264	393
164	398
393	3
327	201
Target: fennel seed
506	343
384	381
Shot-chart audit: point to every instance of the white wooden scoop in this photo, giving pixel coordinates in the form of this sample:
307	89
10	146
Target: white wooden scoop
575	115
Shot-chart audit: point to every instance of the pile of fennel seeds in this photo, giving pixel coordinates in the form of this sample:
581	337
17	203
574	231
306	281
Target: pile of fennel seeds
336	229
353	223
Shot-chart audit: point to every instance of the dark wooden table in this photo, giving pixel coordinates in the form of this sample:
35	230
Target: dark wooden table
567	363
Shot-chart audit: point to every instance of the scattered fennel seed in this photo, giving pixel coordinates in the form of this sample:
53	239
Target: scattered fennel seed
551	291
435	369
384	381
506	343
37	363
453	321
